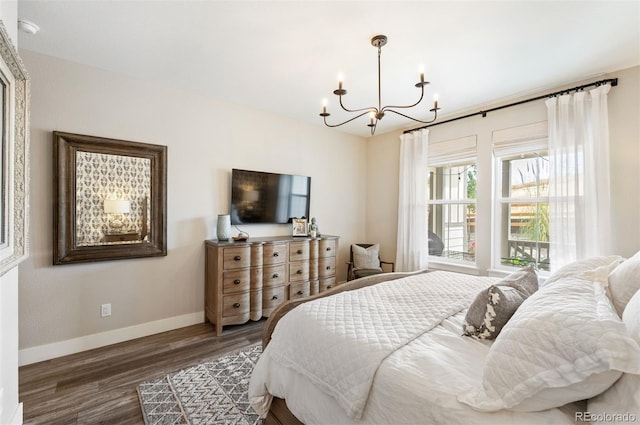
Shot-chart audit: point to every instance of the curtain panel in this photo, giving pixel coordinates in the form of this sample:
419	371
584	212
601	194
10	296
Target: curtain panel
579	180
412	241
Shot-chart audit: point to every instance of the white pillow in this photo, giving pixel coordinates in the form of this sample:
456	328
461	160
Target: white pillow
624	281
366	258
565	343
576	268
624	396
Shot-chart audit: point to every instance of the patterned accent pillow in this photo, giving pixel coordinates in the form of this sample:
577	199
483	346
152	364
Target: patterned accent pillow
494	306
366	258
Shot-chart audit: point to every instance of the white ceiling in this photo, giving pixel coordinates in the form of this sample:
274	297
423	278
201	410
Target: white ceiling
284	57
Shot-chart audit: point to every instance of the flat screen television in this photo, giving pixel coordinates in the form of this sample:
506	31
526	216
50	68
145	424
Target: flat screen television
261	197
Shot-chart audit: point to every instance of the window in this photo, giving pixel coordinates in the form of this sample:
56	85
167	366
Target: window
452	211
524	210
521	214
452	183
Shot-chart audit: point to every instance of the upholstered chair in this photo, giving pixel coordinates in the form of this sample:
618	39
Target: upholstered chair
364	260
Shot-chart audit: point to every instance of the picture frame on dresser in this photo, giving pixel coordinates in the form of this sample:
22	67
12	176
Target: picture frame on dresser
299	226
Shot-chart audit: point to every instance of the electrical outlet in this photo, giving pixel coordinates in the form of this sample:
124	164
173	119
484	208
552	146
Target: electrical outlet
105	310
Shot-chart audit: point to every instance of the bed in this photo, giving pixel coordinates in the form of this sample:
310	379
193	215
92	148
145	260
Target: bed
389	349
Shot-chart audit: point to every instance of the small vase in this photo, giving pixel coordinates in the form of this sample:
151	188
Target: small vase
224	227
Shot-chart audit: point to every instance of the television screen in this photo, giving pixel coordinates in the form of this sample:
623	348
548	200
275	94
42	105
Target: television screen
260	197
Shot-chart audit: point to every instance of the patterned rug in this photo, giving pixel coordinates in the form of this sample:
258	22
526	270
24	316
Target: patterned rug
214	392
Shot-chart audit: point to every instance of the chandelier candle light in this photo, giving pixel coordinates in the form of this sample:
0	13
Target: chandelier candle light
377	113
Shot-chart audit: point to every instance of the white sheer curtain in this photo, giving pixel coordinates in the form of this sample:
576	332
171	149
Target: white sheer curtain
579	207
412	250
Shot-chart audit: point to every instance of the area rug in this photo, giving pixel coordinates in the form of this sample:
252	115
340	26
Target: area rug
214	392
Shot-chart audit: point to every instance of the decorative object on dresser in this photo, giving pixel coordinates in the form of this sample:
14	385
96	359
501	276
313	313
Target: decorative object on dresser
248	280
224	227
299	226
314	231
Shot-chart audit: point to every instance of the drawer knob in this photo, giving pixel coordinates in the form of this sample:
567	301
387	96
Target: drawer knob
329	249
328	267
300	292
275	254
236	305
275	276
275	297
328	286
236	282
299	272
237	258
299	251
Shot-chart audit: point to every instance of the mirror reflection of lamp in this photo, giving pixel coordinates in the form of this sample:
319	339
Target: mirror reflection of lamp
116	207
249	198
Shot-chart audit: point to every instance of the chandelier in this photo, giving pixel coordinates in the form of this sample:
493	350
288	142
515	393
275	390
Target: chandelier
377	113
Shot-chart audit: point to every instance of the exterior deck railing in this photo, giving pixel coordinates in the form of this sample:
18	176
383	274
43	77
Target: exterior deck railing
520	253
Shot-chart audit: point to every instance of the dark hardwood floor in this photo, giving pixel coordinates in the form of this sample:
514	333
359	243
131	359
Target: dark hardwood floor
99	386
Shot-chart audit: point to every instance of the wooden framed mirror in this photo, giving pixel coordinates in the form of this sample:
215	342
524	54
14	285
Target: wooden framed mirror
110	199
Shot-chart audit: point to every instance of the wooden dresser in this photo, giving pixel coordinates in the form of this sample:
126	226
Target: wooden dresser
247	280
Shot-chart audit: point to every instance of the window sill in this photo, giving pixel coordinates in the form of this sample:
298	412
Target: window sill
471	269
542	275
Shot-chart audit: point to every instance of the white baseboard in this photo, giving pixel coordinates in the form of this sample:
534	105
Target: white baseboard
17	417
71	346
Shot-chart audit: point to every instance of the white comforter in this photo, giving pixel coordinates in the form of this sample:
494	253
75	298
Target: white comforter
339	342
417	384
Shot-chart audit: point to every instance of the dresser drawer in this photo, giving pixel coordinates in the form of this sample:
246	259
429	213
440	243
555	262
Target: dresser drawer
299	251
274	275
236	257
236	281
274	254
299	290
273	297
327	283
327	248
236	304
327	267
299	271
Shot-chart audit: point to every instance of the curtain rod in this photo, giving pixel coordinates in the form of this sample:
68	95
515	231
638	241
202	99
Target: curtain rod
613	81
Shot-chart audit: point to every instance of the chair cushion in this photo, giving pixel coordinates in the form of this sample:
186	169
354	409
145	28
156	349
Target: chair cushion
366	258
366	272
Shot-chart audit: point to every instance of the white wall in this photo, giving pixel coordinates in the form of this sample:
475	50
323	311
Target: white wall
10	409
60	306
624	110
